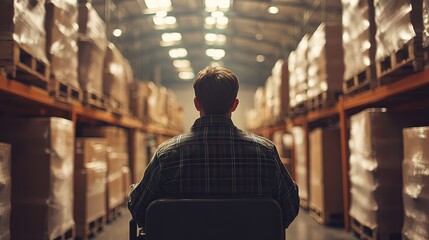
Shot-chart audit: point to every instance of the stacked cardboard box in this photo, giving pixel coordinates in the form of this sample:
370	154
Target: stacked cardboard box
115	84
301	165
139	94
92	45
174	111
89	183
61	40
298	74
358	37
152	102
280	77
5	189
139	158
42	176
260	104
325	175
376	170
397	23
117	157
326	67
162	106
284	145
23	22
416	183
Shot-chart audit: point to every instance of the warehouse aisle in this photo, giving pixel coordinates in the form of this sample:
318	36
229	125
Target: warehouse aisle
303	228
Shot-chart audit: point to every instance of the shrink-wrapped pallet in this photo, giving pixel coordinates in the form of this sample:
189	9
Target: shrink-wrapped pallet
115	83
92	44
325	175
280	77
139	94
416	183
23	22
116	137
61	40
89	183
5	189
301	165
298	73
42	176
326	67
358	37
375	170
397	22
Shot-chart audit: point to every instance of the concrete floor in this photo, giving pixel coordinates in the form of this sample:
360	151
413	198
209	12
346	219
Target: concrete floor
303	228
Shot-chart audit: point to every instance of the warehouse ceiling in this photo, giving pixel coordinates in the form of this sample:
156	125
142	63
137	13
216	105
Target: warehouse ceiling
169	41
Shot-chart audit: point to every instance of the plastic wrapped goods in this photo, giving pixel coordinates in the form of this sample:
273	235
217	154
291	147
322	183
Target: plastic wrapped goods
139	94
376	169
92	45
397	23
61	40
325	57
298	69
358	36
115	83
280	77
416	183
116	137
301	167
139	156
42	176
153	102
5	189
23	21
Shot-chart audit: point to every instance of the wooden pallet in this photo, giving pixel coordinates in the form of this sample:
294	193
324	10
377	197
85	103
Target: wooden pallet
20	64
298	110
407	60
322	101
334	219
93	99
363	232
114	213
68	234
64	92
91	229
361	82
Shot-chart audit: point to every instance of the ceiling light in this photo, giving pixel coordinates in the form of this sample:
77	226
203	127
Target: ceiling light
216	54
273	10
178	53
260	58
161	13
117	32
224	4
156	4
217	14
222	21
171	37
211	5
210	20
259	37
181	63
186	75
210	37
170	20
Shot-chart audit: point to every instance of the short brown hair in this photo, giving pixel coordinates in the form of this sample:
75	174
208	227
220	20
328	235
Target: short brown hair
216	89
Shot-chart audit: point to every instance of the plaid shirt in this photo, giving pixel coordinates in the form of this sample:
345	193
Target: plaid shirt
215	159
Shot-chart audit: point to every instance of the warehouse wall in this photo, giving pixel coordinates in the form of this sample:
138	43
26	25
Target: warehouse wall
185	95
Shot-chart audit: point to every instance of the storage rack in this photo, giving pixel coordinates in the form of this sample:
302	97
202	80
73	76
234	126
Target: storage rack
411	93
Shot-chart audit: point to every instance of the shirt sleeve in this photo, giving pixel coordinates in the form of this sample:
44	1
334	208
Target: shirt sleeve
142	194
286	193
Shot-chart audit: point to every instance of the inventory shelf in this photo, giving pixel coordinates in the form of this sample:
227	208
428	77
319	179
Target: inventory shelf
21	98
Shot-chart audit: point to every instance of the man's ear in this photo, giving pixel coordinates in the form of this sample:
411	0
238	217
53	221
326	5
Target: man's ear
234	105
197	104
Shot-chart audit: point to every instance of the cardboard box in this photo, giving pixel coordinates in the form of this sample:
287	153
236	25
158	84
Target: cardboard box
116	137
42	175
115	190
325	172
115	162
138	155
90	150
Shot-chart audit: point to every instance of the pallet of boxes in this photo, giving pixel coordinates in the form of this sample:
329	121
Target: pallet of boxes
23	42
92	45
118	175
42	177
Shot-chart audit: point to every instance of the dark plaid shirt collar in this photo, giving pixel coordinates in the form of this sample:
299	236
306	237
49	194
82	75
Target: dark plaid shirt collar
213	120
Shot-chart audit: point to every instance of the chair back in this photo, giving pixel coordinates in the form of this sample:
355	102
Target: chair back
214	219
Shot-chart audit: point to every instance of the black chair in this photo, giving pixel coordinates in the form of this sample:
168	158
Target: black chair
211	219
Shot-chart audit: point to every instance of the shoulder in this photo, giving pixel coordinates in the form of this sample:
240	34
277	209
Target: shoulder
256	139
173	143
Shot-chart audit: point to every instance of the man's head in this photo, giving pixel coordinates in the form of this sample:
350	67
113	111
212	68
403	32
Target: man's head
216	91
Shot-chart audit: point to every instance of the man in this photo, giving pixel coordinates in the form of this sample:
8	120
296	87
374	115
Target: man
215	159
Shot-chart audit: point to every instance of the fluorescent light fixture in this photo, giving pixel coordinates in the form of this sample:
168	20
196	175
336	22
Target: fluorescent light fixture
210	20
260	58
117	32
156	4
160	21
222	21
216	54
178	53
210	37
217	14
223	4
210	5
186	75
215	38
170	20
273	10
171	37
183	63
